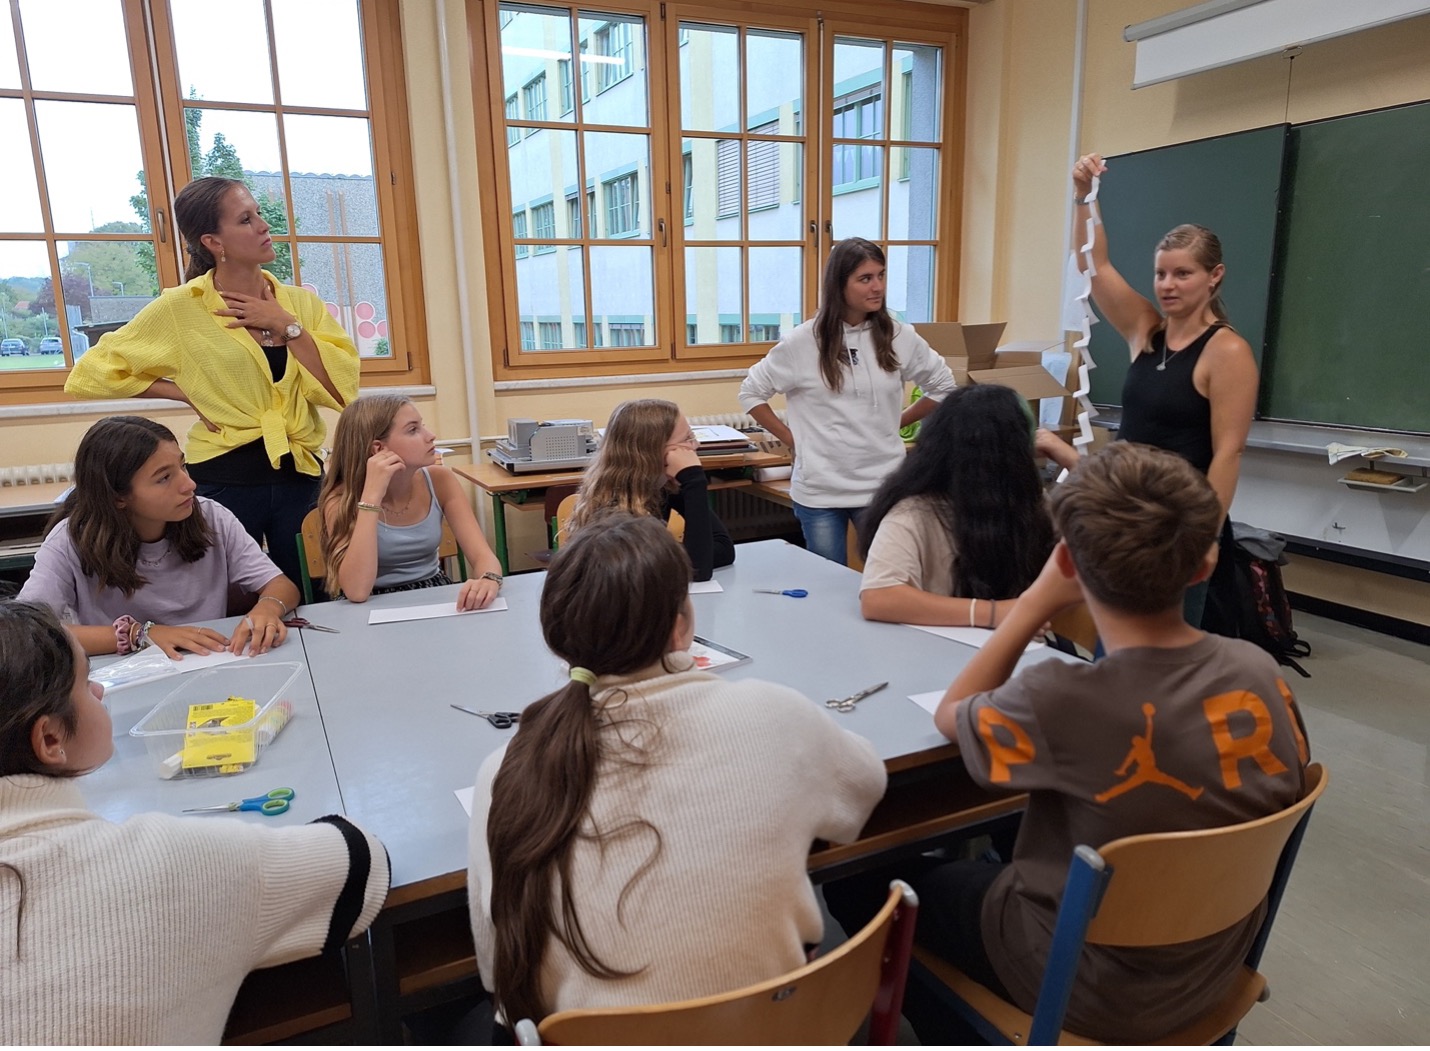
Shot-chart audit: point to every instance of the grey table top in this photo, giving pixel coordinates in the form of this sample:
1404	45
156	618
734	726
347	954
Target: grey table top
400	751
298	757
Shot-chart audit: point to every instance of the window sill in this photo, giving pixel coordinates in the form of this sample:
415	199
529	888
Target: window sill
144	406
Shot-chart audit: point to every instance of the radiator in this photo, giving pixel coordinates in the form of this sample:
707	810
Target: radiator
751	517
36	474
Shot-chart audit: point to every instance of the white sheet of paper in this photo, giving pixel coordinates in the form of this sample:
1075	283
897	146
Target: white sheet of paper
975	637
191	662
432	612
464	796
705	587
927	701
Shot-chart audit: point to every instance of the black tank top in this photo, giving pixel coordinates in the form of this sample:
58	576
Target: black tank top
1161	407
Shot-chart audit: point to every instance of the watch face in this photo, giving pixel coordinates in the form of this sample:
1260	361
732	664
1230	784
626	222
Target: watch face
293	331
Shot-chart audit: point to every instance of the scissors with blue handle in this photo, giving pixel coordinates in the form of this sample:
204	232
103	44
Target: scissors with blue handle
270	804
846	704
791	592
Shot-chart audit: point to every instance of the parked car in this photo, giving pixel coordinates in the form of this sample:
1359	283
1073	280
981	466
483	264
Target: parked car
13	347
51	345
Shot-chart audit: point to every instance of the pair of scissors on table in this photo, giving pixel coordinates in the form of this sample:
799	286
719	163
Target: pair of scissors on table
791	592
846	704
270	804
304	622
501	720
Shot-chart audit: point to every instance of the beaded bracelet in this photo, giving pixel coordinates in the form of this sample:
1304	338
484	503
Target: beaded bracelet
141	638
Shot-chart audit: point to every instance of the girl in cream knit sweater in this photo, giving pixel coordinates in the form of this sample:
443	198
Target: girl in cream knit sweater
644	835
140	932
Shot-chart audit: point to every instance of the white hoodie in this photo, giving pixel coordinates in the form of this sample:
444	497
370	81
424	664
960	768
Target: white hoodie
846	443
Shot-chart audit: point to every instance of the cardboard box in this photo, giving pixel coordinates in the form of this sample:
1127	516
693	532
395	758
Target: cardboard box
972	353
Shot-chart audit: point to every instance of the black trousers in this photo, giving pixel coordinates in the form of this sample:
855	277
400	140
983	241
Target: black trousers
271	512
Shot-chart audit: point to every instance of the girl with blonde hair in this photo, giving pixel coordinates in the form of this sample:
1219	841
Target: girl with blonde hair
1191	387
383	503
647	465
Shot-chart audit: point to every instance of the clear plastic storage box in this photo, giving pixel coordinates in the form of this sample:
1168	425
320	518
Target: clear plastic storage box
172	744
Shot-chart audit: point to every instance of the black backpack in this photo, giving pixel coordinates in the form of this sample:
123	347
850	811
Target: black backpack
1248	600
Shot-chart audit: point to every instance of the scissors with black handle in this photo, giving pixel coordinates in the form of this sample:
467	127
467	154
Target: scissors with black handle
501	720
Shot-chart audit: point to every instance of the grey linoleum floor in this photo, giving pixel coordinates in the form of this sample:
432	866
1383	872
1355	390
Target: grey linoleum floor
1349	958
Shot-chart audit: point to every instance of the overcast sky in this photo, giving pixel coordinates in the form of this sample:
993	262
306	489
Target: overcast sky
91	150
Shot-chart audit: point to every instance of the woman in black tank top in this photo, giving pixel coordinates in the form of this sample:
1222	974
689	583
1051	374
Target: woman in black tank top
1191	387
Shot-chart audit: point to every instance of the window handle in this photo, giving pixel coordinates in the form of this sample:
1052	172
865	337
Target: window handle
163	225
660	225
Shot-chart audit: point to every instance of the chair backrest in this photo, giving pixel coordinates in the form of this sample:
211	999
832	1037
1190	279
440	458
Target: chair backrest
1169	888
315	567
823	1002
310	553
675	523
1075	624
563	516
1159	891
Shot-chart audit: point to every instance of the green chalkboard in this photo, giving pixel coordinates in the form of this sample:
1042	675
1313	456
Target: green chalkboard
1349	335
1228	184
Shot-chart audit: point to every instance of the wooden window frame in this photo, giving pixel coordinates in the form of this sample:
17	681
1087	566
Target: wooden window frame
159	106
819	22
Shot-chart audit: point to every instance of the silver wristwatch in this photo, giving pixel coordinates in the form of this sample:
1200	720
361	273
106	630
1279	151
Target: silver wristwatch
292	332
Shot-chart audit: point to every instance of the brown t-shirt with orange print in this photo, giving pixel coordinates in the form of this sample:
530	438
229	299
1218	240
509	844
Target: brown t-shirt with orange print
1146	740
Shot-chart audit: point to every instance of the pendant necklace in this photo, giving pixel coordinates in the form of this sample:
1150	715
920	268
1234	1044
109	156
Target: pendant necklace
1163	367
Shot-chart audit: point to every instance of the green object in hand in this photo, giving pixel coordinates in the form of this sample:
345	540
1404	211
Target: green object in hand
911	432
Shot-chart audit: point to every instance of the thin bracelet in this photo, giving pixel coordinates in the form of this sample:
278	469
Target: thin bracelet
368	507
274	598
972	611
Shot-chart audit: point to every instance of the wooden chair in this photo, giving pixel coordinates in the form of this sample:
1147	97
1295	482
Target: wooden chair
1150	890
823	1002
315	566
1075	624
676	523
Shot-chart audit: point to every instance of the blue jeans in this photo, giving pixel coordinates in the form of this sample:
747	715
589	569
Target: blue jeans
826	530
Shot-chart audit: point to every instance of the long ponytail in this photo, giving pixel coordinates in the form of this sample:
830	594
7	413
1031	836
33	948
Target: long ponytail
609	607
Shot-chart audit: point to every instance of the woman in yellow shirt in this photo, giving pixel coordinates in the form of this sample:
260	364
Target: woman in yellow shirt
254	358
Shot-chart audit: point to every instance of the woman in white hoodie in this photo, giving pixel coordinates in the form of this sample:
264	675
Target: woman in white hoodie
843	375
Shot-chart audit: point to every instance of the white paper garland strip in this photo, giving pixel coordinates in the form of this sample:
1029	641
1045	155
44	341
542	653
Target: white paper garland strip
1086	364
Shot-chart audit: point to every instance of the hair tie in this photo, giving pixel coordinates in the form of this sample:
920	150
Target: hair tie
583	675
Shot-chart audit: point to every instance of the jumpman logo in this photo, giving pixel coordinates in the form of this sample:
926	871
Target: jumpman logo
1146	763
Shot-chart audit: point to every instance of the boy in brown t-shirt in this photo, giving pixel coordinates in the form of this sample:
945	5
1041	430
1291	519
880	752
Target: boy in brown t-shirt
1174	729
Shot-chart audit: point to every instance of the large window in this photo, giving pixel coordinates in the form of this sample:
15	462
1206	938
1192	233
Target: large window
720	158
107	107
